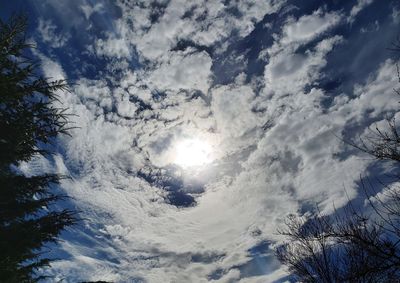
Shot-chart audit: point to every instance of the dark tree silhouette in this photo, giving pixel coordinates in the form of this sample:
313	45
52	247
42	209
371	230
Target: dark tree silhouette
28	121
351	246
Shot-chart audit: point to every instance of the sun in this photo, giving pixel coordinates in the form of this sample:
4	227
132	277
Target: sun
192	152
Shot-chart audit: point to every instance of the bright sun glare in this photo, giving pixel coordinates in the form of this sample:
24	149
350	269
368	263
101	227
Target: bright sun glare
192	152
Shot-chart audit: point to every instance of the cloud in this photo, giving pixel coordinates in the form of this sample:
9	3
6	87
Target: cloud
232	108
89	10
112	47
273	135
308	27
289	72
204	23
396	15
361	4
50	35
185	70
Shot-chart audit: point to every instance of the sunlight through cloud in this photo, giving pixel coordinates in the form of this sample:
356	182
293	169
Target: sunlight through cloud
192	152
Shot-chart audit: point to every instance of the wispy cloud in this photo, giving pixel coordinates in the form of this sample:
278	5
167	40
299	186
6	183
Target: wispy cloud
274	134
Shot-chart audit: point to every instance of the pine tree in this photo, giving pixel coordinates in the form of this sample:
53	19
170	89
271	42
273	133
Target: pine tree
28	122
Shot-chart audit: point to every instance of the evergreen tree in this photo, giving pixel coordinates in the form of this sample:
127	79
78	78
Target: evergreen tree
28	122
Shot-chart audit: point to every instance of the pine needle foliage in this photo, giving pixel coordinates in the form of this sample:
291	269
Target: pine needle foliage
29	122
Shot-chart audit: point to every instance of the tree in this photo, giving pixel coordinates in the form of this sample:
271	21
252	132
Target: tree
29	121
351	246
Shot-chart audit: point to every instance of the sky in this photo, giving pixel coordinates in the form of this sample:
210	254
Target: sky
200	125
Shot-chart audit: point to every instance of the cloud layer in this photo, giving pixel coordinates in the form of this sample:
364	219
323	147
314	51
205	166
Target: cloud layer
147	78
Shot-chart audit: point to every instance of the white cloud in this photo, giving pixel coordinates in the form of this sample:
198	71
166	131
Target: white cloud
232	108
372	27
308	27
182	70
361	4
377	94
275	148
113	47
216	24
88	10
289	73
50	35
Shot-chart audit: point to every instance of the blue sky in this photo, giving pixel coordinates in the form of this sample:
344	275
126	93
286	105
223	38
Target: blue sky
202	124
